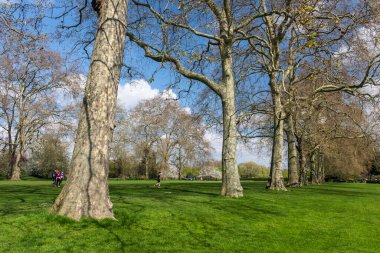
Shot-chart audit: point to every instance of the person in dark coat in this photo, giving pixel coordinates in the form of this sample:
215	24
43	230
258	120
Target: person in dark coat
158	180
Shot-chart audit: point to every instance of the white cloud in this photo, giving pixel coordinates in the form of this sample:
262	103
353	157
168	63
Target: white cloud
344	49
130	94
169	94
187	109
366	39
370	90
369	36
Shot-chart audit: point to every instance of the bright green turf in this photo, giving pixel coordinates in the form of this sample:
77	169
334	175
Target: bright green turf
191	217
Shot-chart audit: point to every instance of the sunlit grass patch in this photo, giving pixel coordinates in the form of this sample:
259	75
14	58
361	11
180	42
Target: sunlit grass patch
185	216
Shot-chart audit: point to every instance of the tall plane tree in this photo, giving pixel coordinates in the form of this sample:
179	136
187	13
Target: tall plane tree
198	38
86	192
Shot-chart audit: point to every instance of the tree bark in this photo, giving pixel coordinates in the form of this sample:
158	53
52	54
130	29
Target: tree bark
231	186
15	169
86	192
276	181
293	177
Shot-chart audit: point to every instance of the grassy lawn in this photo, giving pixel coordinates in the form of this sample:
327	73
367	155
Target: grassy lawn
191	217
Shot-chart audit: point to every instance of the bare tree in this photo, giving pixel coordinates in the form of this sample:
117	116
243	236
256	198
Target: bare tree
198	39
190	143
161	127
29	74
143	131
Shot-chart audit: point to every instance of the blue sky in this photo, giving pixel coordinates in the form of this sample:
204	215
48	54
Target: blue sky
134	89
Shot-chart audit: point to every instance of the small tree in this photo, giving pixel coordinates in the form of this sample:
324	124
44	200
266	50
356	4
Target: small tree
160	127
48	154
249	170
29	74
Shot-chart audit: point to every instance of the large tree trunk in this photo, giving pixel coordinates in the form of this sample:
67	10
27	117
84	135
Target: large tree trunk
86	191
231	186
292	153
276	181
15	169
17	152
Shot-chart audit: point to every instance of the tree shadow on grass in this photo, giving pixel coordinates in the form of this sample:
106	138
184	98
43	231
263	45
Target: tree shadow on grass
165	193
348	192
192	192
107	225
21	199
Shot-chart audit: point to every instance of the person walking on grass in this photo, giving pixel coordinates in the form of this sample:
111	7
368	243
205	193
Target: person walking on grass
158	180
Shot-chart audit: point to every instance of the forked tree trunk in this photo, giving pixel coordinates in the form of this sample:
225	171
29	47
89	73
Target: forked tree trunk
86	192
231	186
276	181
292	154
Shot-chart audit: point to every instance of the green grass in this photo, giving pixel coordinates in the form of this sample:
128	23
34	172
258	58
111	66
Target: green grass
191	217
